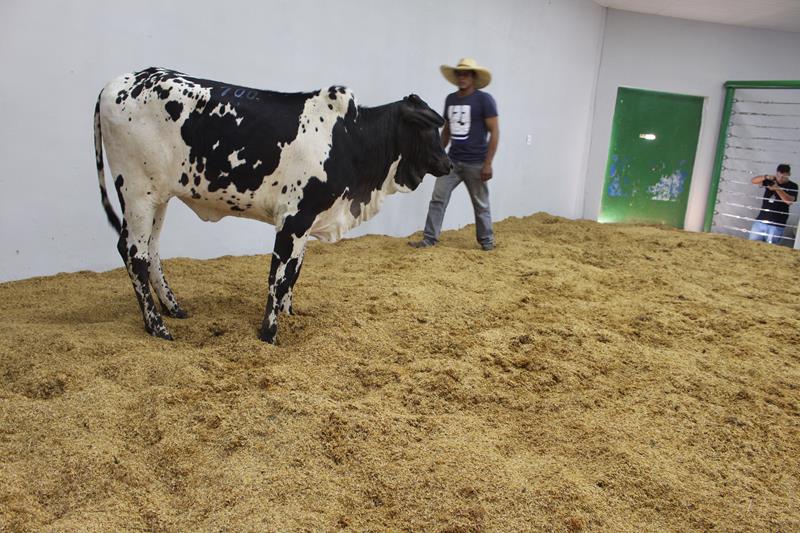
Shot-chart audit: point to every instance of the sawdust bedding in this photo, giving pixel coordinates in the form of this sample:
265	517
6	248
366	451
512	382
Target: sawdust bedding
579	377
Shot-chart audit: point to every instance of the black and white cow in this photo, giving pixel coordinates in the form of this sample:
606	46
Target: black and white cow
312	164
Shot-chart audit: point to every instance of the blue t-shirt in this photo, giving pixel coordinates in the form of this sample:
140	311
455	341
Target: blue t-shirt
468	134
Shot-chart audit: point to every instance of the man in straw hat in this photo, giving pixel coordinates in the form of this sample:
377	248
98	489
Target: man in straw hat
471	129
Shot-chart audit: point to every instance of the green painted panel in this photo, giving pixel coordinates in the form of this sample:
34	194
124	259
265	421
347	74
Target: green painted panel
650	157
711	201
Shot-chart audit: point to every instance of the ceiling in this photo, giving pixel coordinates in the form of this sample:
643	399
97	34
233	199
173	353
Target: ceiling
771	14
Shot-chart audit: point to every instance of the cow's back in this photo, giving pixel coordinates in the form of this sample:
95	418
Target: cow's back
222	149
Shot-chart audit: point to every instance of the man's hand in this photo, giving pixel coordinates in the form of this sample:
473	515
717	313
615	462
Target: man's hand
494	137
486	172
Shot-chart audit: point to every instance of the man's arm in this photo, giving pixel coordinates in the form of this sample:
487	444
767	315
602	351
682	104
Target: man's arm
787	198
758	180
494	137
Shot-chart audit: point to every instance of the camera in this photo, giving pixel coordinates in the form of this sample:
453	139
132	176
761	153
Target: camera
768	183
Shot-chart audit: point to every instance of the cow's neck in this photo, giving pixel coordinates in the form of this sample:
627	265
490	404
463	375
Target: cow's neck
381	129
375	136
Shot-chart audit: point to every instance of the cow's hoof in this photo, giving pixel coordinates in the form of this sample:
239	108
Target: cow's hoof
161	333
273	341
177	313
269	340
268	336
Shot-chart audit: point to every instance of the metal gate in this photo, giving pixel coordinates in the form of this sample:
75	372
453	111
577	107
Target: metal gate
760	129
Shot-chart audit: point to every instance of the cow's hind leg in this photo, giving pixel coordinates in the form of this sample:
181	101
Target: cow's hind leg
169	304
133	246
290	242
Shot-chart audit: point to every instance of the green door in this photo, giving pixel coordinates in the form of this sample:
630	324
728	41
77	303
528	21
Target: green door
650	157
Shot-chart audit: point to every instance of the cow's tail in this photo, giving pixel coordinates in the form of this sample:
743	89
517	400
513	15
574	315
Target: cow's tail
101	175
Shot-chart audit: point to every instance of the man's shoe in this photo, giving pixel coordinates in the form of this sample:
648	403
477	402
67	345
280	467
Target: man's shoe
421	244
488	247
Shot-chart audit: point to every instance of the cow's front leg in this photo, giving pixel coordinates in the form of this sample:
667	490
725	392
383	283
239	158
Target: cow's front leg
293	274
287	257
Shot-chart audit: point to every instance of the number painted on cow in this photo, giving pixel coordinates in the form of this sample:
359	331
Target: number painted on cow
249	94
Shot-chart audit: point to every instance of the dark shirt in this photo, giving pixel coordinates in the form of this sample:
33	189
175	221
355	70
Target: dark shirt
773	209
467	117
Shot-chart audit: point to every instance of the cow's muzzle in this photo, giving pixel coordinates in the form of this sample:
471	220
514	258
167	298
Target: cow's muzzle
443	167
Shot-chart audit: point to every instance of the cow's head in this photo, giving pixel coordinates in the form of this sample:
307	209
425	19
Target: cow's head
420	144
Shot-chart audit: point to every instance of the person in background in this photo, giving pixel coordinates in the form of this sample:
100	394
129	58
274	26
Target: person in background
779	194
471	129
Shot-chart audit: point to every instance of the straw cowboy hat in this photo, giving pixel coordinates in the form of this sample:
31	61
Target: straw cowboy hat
482	75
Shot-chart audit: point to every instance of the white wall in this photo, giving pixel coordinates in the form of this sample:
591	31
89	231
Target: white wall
681	56
56	56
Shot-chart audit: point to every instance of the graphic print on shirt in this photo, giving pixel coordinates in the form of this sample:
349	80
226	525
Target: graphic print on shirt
460	118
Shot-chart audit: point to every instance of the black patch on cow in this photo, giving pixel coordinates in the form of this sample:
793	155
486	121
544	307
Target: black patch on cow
122	243
118	186
197	181
317	197
283	190
184	179
144	79
364	152
174	108
237	208
265	122
162	92
98	155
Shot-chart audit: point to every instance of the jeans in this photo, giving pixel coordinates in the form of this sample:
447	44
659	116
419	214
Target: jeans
470	174
761	231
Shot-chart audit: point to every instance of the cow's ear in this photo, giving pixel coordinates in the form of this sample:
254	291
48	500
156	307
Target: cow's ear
422	116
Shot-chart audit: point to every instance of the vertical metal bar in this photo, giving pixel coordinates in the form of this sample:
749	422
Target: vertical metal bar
723	134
